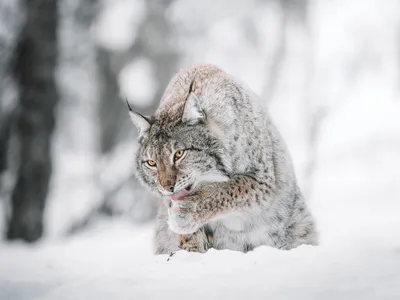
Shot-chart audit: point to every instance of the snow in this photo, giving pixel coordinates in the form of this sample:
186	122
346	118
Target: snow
114	259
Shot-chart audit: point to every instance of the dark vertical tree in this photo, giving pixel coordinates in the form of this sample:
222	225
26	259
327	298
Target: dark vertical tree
34	72
112	113
5	129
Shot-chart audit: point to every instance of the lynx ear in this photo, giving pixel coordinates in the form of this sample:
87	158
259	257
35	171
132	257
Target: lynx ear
141	122
192	111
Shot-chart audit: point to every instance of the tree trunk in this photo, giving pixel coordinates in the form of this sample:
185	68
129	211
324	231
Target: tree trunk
112	112
34	71
5	129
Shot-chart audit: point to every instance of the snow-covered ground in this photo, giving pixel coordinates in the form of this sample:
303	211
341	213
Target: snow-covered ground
116	262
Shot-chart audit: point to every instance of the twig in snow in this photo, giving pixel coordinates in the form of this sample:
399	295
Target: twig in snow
170	255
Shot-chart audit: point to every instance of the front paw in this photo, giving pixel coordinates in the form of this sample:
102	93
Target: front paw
182	220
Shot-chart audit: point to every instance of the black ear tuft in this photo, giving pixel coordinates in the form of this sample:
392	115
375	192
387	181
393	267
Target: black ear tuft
142	123
127	103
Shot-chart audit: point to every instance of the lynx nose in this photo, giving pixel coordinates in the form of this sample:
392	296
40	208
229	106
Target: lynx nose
169	188
168	185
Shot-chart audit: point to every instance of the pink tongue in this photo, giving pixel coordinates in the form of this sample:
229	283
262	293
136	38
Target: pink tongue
180	194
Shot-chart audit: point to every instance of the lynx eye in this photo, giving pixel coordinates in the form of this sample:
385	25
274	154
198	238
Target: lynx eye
151	163
179	154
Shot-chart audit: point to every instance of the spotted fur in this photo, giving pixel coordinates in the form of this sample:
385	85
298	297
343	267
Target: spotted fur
243	190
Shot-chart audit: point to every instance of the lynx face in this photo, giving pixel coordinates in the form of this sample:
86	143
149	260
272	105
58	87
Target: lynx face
179	151
172	158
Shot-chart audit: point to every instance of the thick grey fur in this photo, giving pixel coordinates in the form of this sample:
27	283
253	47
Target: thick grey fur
243	188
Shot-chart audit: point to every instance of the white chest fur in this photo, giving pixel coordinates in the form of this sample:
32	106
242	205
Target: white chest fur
233	222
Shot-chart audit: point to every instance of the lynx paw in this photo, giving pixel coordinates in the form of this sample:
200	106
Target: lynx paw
182	222
188	214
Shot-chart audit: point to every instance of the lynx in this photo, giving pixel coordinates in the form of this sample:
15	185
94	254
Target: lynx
220	167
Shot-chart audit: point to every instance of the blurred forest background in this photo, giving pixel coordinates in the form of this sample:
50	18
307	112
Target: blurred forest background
328	71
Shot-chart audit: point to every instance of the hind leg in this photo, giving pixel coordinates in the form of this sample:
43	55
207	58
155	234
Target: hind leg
302	229
199	241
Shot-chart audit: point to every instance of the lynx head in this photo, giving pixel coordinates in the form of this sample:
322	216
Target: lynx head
178	153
